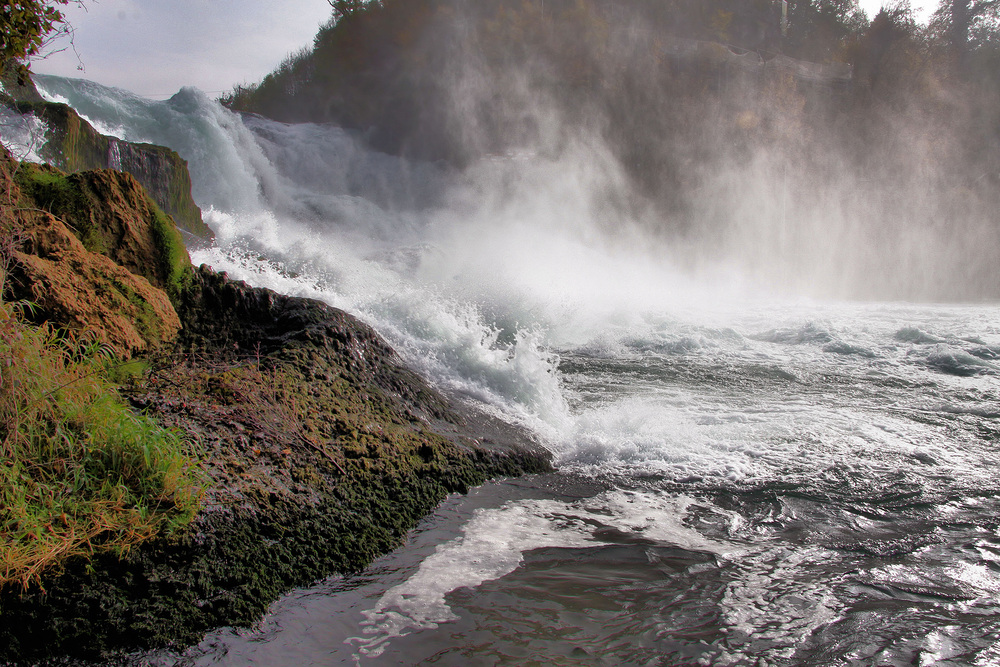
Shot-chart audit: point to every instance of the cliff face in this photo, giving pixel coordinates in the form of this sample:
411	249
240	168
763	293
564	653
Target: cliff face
72	145
113	215
319	448
80	285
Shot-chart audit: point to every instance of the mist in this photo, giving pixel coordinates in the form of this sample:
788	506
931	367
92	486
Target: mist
598	127
662	236
721	163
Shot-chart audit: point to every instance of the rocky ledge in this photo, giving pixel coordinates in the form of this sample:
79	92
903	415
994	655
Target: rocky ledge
319	448
72	144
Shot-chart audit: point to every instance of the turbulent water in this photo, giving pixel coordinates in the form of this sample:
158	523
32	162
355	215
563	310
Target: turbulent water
742	480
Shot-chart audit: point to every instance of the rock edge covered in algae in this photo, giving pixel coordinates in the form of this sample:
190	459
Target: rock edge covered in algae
320	449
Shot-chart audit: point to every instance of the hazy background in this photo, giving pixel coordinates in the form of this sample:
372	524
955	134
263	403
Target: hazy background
659	125
882	188
154	47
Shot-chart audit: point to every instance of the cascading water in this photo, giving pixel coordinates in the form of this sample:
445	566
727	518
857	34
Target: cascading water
743	481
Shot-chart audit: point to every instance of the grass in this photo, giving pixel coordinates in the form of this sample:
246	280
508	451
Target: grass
80	473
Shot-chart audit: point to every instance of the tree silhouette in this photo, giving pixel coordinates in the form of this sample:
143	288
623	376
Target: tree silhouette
962	17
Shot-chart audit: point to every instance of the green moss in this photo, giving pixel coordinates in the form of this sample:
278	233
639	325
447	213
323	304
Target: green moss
146	319
46	187
127	371
33	176
73	145
176	590
97	207
172	254
319	464
42	185
165	176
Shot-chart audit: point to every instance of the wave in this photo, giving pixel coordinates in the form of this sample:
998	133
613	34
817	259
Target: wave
515	284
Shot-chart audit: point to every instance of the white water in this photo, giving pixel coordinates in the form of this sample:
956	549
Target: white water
506	284
23	136
494	543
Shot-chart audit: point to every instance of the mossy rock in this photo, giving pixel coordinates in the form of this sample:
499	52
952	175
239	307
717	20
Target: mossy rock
72	145
87	293
321	450
112	215
226	573
88	289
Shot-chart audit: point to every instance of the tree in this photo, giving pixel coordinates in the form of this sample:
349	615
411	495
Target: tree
886	55
25	26
964	16
342	8
818	28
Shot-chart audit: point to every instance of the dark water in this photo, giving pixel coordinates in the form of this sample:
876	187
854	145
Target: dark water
803	578
766	501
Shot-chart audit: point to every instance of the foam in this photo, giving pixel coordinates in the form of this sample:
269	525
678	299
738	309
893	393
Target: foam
494	542
776	584
486	281
494	283
23	136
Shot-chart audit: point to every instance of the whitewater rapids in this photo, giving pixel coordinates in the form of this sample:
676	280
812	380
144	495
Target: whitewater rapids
744	479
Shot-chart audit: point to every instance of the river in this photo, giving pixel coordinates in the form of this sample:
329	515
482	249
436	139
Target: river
745	476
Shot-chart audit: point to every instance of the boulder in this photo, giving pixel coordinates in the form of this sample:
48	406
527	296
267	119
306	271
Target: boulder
111	214
92	254
88	293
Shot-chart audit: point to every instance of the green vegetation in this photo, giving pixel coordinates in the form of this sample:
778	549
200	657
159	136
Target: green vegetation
25	26
452	79
697	110
320	455
174	259
72	145
80	473
53	191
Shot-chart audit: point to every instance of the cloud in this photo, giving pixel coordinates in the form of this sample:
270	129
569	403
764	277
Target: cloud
154	47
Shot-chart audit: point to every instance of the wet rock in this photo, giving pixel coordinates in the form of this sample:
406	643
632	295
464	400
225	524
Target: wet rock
88	293
319	448
112	215
84	291
72	145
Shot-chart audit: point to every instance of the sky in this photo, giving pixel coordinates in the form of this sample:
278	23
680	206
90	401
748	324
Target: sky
922	9
154	47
